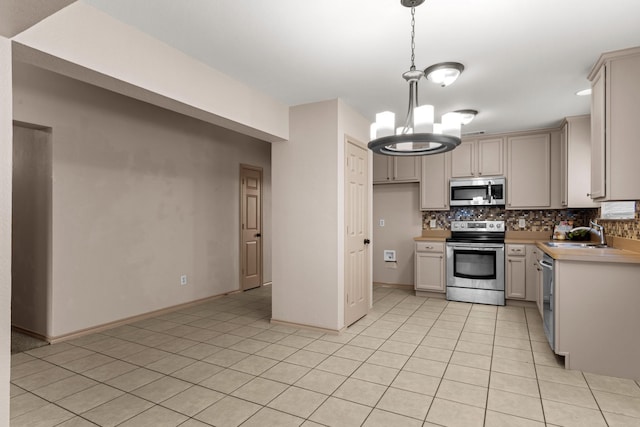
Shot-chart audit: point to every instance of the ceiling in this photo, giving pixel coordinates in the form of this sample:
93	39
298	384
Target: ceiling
524	59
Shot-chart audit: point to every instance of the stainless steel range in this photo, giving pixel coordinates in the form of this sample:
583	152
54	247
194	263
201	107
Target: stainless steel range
475	262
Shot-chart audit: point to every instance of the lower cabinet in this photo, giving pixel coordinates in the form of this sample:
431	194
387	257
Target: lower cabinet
538	281
520	272
429	265
516	272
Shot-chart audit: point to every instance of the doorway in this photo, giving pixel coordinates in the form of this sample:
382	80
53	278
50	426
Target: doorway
31	229
250	227
357	283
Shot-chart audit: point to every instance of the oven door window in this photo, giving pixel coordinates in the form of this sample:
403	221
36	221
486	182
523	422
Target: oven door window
469	193
470	264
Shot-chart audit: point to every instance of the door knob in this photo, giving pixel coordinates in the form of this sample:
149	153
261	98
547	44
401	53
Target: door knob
258	235
367	241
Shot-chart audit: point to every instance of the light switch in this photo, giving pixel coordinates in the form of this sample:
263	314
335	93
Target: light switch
381	223
522	223
432	223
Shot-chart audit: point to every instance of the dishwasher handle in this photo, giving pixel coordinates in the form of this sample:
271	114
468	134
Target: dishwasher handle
545	264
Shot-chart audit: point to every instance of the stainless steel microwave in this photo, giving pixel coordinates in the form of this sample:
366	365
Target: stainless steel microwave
488	191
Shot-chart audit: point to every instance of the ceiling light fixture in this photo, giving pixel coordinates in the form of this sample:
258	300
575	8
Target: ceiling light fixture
467	116
419	135
444	73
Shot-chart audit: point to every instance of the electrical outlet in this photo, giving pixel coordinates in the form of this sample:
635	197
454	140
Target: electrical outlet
389	255
522	223
381	223
183	279
432	223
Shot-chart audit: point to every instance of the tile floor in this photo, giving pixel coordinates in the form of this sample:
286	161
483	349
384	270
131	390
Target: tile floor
413	361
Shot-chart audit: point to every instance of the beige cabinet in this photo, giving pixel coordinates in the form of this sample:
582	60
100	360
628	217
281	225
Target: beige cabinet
521	280
434	182
429	265
596	316
395	169
537	278
516	272
615	131
575	162
529	171
478	157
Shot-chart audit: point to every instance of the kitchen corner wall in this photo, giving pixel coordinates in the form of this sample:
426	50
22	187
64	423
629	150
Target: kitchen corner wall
399	206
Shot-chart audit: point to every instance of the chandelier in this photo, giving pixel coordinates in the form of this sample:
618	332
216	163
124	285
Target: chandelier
419	135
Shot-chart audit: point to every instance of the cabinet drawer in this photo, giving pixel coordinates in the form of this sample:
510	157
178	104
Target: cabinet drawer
430	247
515	250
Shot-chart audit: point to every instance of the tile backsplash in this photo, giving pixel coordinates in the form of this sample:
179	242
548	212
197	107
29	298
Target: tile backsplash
628	228
536	220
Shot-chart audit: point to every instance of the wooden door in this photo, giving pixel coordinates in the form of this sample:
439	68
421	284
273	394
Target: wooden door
357	283
598	135
529	171
490	157
463	160
381	173
429	272
250	227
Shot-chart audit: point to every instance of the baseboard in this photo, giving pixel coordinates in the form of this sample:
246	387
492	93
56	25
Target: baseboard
132	319
30	333
521	303
429	294
392	285
307	327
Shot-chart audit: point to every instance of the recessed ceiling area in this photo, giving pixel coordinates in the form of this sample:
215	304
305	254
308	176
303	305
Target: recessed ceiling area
524	60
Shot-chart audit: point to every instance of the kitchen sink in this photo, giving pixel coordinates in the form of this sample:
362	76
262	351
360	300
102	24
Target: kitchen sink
575	245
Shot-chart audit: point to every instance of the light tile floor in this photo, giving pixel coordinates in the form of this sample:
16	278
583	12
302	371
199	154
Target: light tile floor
413	361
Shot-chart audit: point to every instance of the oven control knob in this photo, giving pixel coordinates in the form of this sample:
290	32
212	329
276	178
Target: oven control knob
499	225
490	225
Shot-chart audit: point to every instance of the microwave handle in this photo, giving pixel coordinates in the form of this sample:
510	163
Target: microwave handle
490	194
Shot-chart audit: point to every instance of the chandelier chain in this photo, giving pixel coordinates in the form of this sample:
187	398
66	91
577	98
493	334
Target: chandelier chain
413	37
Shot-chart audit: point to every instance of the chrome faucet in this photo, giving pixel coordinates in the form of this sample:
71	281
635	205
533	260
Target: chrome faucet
599	230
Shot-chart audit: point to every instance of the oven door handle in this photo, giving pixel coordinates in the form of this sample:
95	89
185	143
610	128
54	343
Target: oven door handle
475	247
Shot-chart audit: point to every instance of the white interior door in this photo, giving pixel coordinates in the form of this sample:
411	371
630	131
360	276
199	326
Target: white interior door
357	282
251	227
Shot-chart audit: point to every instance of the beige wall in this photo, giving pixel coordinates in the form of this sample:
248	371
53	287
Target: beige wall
5	225
308	214
31	229
399	206
85	43
141	196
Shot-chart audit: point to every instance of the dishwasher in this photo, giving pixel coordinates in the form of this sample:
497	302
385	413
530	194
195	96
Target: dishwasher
548	301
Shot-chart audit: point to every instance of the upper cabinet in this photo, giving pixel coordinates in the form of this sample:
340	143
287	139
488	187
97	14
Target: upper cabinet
529	171
434	182
575	161
391	169
478	157
615	131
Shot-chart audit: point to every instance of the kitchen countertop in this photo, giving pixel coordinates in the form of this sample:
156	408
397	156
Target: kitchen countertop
433	235
620	250
610	254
